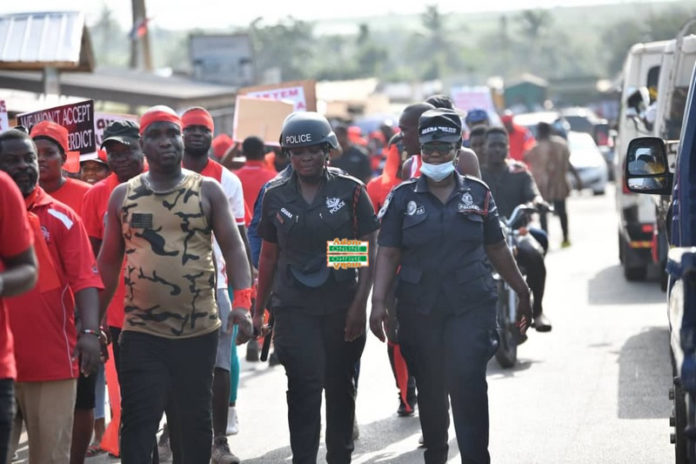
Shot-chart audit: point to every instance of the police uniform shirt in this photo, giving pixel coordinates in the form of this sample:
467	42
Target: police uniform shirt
443	260
511	186
301	231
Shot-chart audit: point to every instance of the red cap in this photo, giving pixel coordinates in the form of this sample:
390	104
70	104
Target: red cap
159	113
197	116
53	131
221	144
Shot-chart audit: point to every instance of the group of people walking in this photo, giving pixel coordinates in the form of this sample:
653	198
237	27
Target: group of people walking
155	258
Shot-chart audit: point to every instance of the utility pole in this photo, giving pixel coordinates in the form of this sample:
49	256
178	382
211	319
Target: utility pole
139	15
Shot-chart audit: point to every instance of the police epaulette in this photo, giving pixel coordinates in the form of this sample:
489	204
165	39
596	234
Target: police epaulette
343	175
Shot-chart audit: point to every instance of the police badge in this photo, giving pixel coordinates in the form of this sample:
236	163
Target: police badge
411	208
467	200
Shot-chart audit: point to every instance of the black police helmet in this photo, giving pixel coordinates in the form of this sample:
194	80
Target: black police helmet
439	125
305	128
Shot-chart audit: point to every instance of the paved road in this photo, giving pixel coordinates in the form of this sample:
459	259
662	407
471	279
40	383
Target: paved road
594	390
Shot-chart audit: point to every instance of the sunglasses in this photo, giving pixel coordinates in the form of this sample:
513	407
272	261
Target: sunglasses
440	147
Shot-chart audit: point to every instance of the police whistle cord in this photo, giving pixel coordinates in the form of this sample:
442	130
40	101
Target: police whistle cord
267	339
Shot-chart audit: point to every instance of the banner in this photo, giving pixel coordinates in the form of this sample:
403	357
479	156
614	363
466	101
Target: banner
77	118
4	122
259	117
302	94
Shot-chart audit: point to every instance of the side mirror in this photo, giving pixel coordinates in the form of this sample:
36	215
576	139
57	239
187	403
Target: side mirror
646	167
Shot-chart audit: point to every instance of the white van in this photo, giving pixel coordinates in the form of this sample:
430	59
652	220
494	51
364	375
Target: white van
636	212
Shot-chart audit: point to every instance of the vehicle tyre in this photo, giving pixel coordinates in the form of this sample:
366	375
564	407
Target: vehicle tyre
506	354
664	279
634	274
622	253
679	414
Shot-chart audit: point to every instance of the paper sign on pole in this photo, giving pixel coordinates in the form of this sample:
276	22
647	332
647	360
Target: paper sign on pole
78	119
4	122
259	117
302	94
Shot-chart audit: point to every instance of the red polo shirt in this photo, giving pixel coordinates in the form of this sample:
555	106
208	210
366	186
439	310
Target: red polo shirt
15	238
94	206
43	319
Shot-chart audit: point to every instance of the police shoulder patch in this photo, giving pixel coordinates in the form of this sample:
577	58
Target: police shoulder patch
390	196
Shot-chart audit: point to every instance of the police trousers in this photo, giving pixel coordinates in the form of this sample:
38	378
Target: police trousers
448	354
317	359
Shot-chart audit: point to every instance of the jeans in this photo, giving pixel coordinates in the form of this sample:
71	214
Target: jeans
166	375
7	411
316	358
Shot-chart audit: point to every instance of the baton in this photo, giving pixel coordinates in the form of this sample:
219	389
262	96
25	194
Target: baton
267	339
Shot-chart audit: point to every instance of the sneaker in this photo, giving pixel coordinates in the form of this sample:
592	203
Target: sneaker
221	452
404	409
252	354
164	451
232	421
565	243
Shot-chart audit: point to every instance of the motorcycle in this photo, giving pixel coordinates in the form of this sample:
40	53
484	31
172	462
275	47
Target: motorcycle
509	336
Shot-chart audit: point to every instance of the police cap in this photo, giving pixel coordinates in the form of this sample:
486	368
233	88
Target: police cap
439	125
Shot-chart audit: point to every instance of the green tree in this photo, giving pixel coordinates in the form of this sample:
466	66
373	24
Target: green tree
287	45
109	42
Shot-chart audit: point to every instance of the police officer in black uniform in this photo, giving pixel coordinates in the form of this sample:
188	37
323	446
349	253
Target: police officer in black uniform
437	230
319	311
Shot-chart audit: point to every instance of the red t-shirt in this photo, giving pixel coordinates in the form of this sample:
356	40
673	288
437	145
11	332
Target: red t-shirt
378	189
254	175
71	193
94	207
15	238
43	319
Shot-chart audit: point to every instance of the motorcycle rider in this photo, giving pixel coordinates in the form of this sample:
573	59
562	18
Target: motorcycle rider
512	184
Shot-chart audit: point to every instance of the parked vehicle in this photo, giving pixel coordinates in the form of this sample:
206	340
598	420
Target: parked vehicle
636	213
588	162
647	172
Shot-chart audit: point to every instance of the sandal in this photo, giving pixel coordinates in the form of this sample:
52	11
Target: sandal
94	450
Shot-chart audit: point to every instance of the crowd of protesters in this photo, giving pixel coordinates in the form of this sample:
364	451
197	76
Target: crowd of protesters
154	246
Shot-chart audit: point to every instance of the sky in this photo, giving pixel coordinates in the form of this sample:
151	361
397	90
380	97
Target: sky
219	14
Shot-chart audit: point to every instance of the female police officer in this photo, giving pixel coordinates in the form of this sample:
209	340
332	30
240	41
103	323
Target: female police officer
319	312
439	228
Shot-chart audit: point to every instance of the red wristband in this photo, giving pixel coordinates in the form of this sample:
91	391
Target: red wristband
242	298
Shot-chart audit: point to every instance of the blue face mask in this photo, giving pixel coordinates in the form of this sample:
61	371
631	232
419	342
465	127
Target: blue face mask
437	172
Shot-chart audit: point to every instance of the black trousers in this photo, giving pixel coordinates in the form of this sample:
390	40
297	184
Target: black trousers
559	207
7	409
173	376
531	257
448	354
316	358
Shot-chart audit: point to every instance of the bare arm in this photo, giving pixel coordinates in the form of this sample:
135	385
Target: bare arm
87	348
110	257
387	261
233	250
20	273
503	262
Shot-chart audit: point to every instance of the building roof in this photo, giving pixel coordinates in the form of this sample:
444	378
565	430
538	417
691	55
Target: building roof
127	86
38	40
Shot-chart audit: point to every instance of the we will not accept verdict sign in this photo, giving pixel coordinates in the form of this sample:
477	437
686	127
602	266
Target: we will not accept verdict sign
77	118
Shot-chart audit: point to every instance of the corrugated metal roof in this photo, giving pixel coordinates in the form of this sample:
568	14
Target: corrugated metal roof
37	40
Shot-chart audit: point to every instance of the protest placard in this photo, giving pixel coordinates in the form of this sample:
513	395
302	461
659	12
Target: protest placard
259	117
77	118
302	94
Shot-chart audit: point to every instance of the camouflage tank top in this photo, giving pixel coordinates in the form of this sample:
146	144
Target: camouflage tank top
170	273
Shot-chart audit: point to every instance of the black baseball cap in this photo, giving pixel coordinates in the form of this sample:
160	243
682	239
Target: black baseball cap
125	132
439	125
